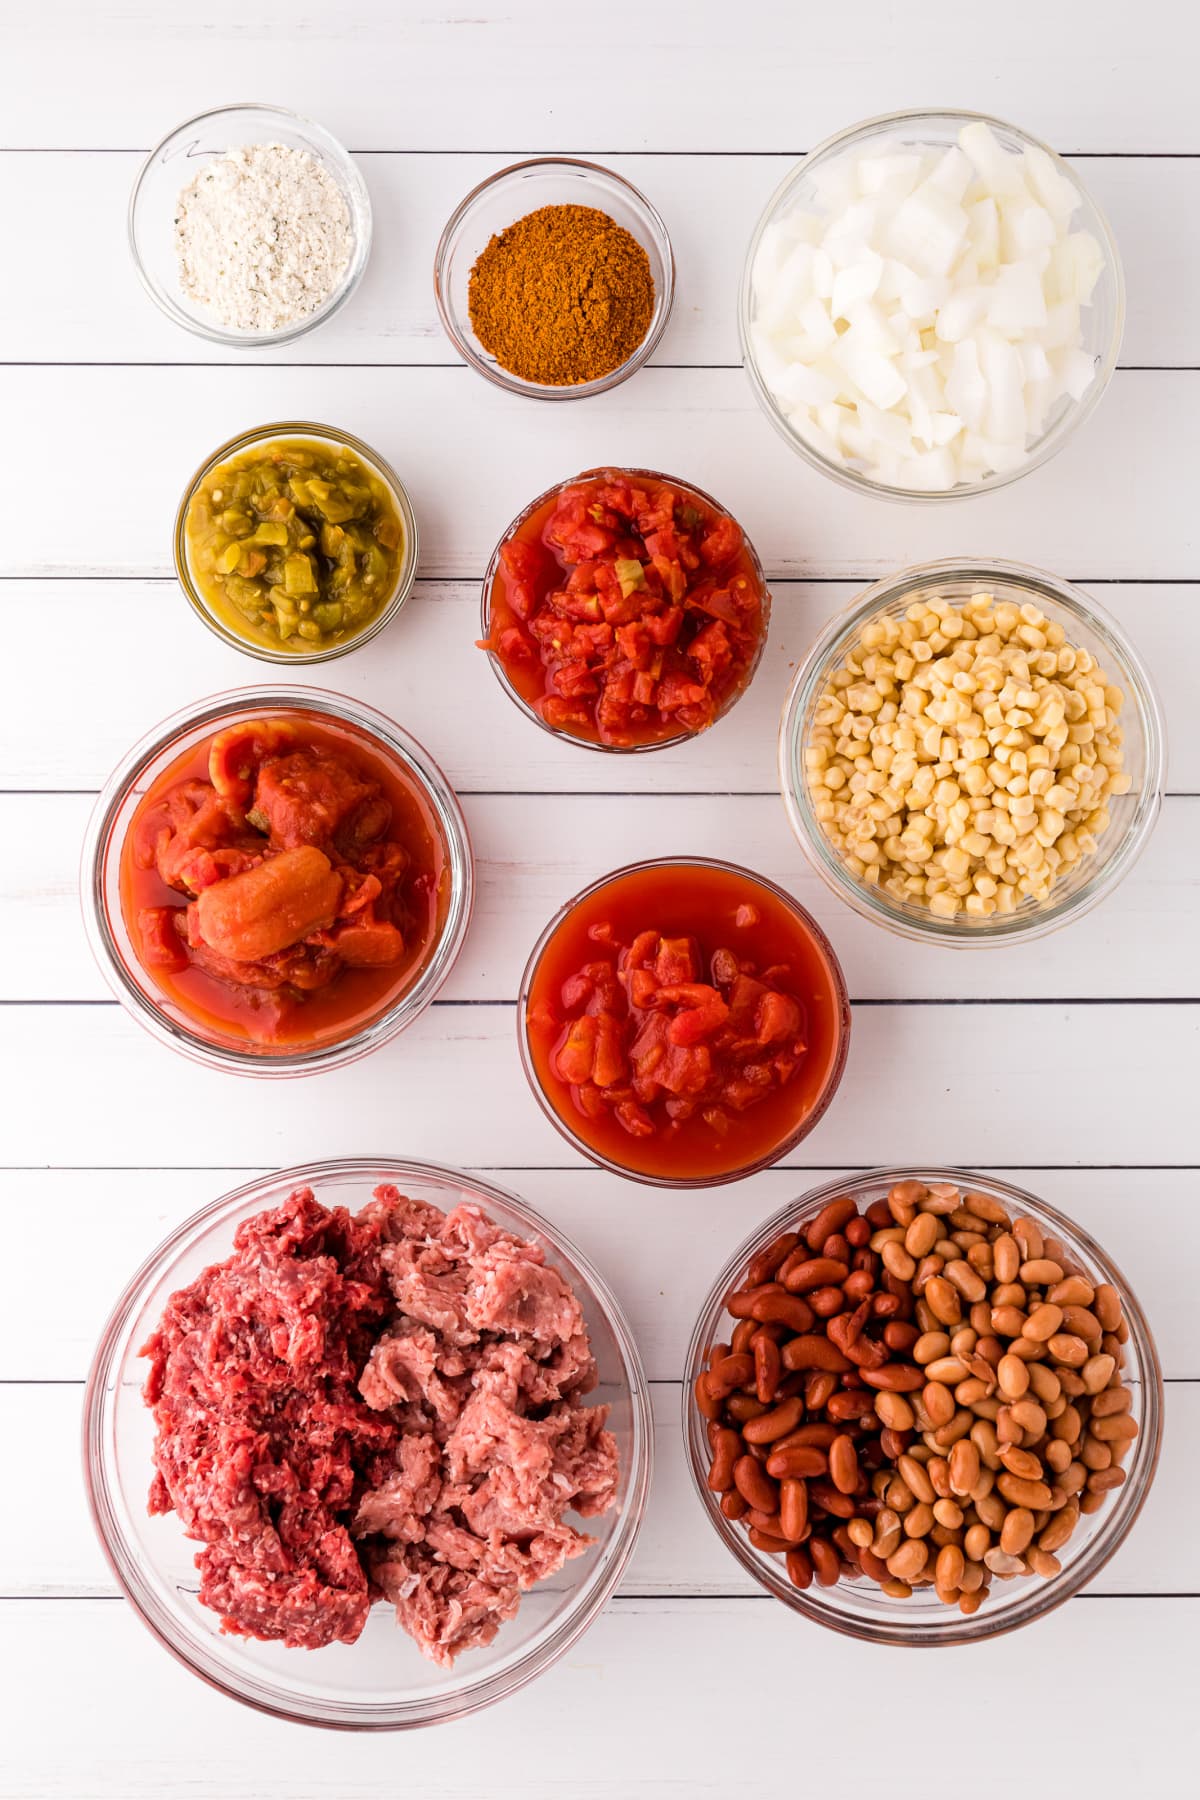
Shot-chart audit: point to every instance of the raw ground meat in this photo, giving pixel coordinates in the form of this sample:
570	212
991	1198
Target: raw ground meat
379	1405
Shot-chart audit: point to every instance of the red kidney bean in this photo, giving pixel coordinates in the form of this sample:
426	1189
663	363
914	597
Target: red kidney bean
858	1285
898	1378
858	1233
739	1303
801	1462
799	1567
843	1465
827	1497
743	1337
764	1541
819	1386
900	1337
832	1217
733	1505
879	1215
767	1367
818	1433
731	1372
766	1263
793	1509
850	1406
836	1247
826	1562
710	1406
726	1450
783	1309
827	1301
755	1485
777	1423
821	1271
812	1352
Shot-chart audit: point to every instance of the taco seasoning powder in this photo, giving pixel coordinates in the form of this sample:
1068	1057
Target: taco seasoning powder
562	297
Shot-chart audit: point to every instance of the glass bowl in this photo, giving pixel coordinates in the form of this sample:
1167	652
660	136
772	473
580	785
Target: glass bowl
1102	322
100	877
858	1608
1087	625
510	195
225	627
382	1682
171	166
827	1005
501	673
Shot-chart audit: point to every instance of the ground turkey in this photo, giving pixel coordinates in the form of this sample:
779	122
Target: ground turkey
385	1405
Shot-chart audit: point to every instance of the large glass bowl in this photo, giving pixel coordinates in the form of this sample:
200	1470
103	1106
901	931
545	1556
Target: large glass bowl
172	164
224	623
382	1682
518	699
511	194
1102	322
829	1003
858	1608
1132	814
100	872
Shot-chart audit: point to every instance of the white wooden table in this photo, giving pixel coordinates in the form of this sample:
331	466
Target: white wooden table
1072	1064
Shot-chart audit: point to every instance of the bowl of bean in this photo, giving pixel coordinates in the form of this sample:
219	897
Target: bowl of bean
972	753
922	1407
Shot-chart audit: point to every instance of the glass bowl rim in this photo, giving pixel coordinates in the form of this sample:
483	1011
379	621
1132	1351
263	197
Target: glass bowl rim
502	378
359	205
1053	440
389	740
501	674
1141	696
1039	1597
406	575
480	1190
837	982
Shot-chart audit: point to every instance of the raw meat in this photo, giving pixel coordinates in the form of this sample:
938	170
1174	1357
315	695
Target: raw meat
379	1405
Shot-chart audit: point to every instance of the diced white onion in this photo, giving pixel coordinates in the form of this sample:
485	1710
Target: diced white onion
925	325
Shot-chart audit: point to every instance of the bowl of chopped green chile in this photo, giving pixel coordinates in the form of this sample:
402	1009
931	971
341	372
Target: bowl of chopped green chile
555	278
295	542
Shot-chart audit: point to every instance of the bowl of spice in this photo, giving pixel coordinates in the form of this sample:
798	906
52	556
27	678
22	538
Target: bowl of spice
555	278
249	225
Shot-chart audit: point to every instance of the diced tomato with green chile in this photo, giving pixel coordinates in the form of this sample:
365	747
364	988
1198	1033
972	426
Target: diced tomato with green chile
288	877
654	1038
627	611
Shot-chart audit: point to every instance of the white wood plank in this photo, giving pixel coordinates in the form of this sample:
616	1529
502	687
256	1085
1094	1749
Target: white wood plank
960	1083
532	855
49	1550
1147	1219
710	204
159	658
637	1708
473	457
762	76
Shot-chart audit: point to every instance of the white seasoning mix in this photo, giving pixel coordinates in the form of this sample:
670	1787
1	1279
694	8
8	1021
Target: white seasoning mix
263	237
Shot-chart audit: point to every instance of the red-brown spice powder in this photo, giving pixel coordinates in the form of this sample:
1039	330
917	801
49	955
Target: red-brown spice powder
563	296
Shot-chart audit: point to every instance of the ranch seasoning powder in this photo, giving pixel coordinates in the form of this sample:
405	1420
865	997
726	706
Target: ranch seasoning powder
262	237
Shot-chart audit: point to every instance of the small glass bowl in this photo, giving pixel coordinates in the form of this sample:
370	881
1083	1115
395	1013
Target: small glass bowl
501	673
834	1002
858	1608
100	877
382	1682
171	166
1133	814
510	195
223	627
1102	321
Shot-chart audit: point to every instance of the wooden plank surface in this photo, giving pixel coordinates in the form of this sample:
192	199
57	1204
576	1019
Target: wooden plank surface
1069	1064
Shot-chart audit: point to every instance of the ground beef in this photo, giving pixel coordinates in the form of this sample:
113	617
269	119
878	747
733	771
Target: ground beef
385	1405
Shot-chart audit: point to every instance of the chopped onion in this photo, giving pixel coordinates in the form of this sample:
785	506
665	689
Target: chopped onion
926	326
